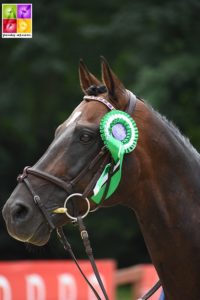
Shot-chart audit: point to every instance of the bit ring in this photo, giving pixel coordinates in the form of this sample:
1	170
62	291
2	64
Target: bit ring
76	195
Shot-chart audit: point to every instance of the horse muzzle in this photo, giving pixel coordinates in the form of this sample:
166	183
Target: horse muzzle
23	225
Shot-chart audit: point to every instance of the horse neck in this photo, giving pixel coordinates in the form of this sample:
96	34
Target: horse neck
169	167
166	201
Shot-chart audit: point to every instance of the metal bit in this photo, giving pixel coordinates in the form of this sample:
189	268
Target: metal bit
60	210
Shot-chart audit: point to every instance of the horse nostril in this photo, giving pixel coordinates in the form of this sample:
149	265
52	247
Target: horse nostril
20	212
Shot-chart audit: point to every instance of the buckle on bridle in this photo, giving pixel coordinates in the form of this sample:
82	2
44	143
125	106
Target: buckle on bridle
21	177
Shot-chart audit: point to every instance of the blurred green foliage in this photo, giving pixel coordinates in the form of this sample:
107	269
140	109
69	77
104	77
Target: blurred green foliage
154	48
124	292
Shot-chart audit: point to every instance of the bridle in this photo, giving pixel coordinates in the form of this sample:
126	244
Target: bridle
69	186
102	157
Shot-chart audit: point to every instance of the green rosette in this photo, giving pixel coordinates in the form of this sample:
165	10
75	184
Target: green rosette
119	133
113	119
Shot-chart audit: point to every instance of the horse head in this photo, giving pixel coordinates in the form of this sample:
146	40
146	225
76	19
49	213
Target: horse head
69	165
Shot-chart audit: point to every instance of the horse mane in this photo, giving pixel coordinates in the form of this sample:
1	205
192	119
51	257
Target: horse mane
176	131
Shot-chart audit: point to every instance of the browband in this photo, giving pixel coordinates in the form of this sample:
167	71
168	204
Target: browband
131	104
99	99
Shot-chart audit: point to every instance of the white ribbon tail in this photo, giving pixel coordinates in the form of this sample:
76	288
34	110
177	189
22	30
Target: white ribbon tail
104	179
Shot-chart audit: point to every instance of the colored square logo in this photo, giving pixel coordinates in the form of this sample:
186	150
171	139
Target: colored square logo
10	25
24	26
9	11
17	20
24	11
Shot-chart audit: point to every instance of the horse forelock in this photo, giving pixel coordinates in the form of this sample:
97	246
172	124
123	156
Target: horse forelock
95	90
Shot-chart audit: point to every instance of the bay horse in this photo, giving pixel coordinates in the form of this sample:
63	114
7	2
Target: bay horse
160	183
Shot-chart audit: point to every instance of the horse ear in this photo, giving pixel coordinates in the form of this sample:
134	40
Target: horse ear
86	78
116	91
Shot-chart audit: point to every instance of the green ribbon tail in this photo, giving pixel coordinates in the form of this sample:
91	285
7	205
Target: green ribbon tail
116	149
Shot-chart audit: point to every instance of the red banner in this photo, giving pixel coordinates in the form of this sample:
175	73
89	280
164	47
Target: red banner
53	280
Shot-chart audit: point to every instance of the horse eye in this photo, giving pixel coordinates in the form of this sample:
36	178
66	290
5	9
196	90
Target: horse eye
85	138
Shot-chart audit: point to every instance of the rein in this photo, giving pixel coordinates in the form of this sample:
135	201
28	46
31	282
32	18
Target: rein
68	187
